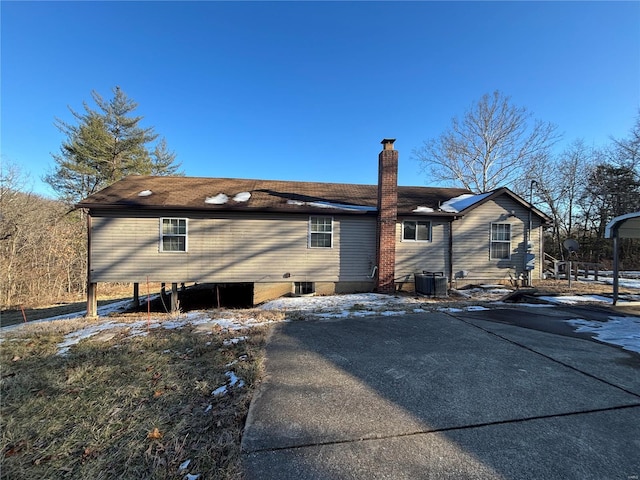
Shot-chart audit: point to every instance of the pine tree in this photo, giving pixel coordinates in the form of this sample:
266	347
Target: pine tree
104	146
162	160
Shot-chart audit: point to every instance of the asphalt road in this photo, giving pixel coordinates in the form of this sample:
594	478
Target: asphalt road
549	318
500	394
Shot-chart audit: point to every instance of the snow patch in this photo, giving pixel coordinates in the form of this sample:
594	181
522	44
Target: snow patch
222	390
476	308
242	197
232	381
621	331
234	341
75	337
470	308
623	282
459	203
338	206
574	299
219	199
423	210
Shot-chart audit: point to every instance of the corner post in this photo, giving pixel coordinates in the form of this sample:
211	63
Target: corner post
174	298
136	294
92	298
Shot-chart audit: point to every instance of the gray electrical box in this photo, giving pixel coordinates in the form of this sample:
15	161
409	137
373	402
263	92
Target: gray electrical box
530	259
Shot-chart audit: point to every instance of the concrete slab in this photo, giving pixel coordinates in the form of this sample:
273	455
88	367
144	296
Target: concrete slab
591	446
344	385
607	361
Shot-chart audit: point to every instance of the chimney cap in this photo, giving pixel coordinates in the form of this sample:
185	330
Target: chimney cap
388	143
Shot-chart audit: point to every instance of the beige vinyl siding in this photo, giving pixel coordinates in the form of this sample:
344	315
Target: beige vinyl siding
412	256
229	248
472	239
537	237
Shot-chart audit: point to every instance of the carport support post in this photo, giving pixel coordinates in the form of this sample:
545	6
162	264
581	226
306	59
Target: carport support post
615	266
174	297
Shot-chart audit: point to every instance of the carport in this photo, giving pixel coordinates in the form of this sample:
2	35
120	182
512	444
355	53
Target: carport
624	226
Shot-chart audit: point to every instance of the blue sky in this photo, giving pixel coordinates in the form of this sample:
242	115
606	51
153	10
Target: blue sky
306	90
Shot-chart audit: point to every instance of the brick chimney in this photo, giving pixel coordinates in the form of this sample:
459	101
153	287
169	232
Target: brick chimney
387	214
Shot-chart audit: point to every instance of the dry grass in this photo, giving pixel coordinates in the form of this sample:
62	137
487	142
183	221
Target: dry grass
580	287
121	406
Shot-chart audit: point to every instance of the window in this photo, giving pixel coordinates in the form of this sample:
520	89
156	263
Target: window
303	288
320	232
500	241
173	234
416	231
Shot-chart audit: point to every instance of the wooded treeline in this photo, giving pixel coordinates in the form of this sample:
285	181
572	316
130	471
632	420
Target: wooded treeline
582	190
42	247
43	242
43	250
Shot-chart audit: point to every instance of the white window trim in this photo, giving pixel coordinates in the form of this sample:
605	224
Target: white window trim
491	240
309	232
415	240
186	235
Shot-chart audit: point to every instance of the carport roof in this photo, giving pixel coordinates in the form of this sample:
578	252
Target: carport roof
628	226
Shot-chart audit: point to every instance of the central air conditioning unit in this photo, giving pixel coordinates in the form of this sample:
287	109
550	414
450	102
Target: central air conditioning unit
432	284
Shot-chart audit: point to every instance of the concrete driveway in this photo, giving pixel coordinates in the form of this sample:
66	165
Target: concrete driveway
440	396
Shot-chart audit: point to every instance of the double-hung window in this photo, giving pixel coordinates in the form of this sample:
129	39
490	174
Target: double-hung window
173	234
320	232
500	241
416	231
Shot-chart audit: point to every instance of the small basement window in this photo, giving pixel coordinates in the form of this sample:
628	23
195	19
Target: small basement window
416	231
173	234
303	288
320	232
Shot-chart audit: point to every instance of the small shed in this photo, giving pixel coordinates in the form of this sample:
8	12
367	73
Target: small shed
624	226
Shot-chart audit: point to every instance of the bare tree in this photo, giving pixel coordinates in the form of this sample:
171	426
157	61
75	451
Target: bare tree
559	184
489	147
42	246
626	151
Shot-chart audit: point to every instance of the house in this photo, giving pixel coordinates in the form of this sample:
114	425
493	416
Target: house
281	237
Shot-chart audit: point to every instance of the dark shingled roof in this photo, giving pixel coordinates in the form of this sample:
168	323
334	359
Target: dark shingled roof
191	193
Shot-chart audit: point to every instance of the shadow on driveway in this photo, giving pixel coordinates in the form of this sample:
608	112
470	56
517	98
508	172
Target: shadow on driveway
434	396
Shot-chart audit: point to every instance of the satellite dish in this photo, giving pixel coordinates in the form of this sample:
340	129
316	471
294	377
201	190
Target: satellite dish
571	245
